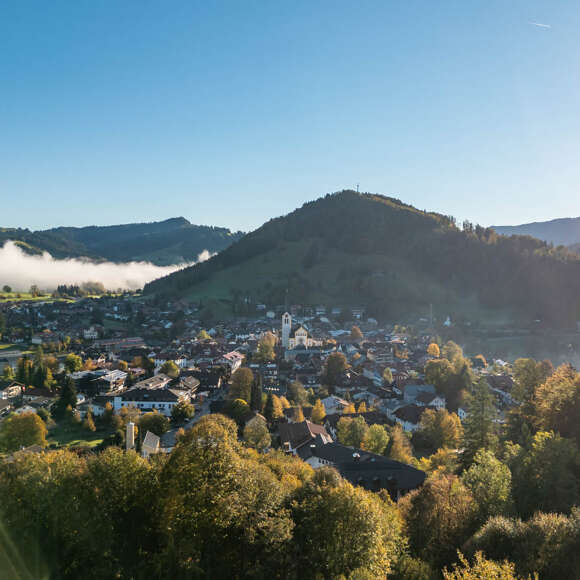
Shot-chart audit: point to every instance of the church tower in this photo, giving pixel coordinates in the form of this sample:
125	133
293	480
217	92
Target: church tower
286	327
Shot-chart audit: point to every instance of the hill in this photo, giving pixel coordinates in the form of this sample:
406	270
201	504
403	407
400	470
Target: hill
564	231
374	251
171	241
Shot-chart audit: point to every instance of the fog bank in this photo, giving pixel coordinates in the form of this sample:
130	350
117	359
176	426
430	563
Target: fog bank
21	270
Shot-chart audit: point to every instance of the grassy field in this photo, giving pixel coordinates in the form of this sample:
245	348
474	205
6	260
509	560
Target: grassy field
75	436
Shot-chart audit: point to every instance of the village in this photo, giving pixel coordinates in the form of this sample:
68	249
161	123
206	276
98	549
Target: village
330	386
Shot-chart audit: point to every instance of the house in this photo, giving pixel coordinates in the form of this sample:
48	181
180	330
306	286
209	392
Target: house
294	436
151	445
90	333
369	470
411	391
334	404
10	389
409	417
431	400
162	400
232	359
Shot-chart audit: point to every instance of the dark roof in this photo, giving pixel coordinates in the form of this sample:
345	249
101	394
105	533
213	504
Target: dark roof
366	469
306	411
410	413
158	395
426	397
299	434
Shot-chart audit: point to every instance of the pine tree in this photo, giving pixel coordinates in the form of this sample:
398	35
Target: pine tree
89	423
68	397
479	427
273	409
400	449
256	394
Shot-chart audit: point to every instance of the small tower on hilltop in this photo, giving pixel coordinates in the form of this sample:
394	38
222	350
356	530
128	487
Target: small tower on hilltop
286	328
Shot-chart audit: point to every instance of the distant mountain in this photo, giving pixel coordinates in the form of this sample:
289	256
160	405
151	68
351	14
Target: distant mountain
374	251
171	241
564	231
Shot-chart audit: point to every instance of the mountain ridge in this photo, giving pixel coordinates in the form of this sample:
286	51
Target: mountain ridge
165	242
386	255
559	231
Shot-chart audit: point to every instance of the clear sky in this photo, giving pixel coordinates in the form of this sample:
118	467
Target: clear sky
230	113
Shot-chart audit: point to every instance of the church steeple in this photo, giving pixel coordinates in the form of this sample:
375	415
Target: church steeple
286	328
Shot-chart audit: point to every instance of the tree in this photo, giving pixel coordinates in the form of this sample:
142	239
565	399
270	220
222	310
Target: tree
273	408
298	416
439	428
203	335
170	369
17	431
154	422
256	434
8	373
73	363
238	409
528	375
318	412
265	350
34	291
400	448
375	440
545	477
490	482
387	376
481	568
6	289
24	370
89	422
556	403
297	393
256	394
328	513
242	381
362	407
438	372
335	366
355	334
433	350
123	365
440	516
479	427
183	411
68	397
453	353
545	543
351	432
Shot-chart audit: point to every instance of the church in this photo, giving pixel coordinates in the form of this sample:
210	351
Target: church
298	338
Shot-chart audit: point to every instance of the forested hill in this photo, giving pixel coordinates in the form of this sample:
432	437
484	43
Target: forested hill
564	231
374	251
172	241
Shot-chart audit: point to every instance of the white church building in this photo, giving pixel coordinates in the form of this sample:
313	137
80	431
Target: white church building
298	338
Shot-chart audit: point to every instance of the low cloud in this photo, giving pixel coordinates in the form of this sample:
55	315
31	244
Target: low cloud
21	270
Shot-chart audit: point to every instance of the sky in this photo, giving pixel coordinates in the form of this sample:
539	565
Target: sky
230	113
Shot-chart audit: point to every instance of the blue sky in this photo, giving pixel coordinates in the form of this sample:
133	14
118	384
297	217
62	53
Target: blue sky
230	113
